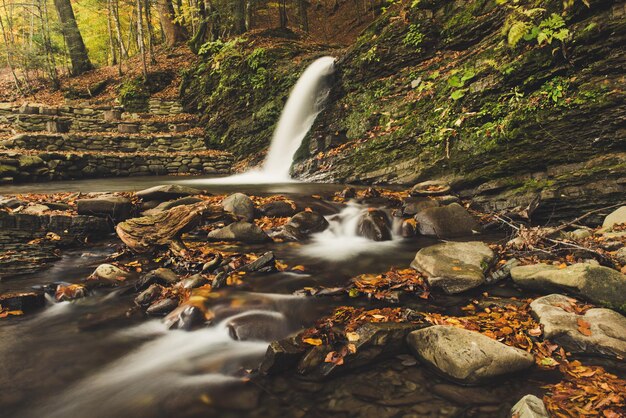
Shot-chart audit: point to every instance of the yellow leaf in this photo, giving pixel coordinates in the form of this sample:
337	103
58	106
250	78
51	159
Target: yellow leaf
352	336
312	341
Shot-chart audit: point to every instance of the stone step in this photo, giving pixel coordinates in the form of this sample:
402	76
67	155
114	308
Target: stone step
56	123
30	165
108	142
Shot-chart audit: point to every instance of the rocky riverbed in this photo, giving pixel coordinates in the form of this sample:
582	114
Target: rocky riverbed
346	302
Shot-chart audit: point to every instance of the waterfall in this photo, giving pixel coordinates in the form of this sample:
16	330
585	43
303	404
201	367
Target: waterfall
304	104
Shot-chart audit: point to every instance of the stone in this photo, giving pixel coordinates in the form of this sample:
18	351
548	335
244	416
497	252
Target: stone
109	274
374	224
466	357
277	209
454	266
163	206
162	307
257	326
529	406
281	356
114	207
578	234
446	222
239	205
430	188
10	202
35	209
607	328
302	225
22	301
616	217
185	317
620	256
128	128
407	230
167	192
239	231
30	161
161	276
149	295
112	115
600	285
265	264
414	205
194	281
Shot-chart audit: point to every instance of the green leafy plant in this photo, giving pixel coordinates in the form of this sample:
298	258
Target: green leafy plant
548	30
458	81
370	55
414	38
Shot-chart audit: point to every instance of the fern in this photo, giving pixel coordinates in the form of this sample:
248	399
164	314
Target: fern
517	31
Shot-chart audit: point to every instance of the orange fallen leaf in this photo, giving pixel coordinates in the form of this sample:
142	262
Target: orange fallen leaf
312	341
583	327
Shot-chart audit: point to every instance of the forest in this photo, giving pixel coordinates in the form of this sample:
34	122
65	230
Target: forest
312	208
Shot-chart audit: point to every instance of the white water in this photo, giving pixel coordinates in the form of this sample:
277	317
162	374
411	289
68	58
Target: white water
304	104
340	240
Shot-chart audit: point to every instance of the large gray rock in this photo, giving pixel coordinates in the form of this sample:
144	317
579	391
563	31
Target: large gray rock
607	328
302	225
35	209
446	222
454	266
115	207
107	274
598	284
164	206
239	231
258	326
167	192
430	188
618	216
529	406
277	208
466	356
239	205
374	224
414	205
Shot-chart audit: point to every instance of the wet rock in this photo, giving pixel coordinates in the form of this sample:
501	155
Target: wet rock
35	209
265	264
447	200
616	217
529	406
606	328
219	280
277	209
620	256
194	281
446	222
430	188
57	205
348	193
149	295
167	192
22	301
239	231
162	307
408	228
598	284
239	205
503	272
454	266
257	326
213	264
466	356
303	224
466	395
414	205
10	202
578	234
107	274
373	341
374	224
115	207
185	317
162	276
163	206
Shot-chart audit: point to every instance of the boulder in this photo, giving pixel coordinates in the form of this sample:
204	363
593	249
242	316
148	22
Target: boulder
22	301
161	276
167	192
239	205
414	205
239	231
446	222
10	202
599	331
529	406
163	206
35	209
277	209
466	356
162	307
281	355
108	274
265	264
302	225
185	317
194	281
616	217
115	207
454	266
257	326
601	285
374	224
149	295
430	188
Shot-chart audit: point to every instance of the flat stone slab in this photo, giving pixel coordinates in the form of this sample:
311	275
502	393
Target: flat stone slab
600	285
616	217
466	356
598	332
454	266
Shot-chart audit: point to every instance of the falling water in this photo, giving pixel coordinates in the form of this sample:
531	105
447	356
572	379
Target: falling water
304	104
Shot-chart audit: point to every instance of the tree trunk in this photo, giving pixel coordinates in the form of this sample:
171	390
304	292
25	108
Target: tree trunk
303	15
239	15
75	44
112	48
282	12
118	30
140	39
150	32
174	33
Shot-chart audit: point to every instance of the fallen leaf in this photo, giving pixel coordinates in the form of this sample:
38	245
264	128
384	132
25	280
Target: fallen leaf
583	327
312	341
